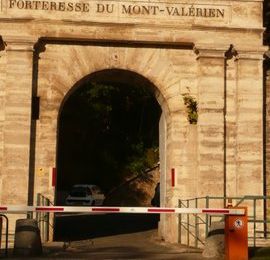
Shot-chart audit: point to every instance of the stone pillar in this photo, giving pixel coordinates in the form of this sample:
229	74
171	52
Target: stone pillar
249	146
267	122
267	131
16	129
175	146
210	180
2	109
162	156
231	126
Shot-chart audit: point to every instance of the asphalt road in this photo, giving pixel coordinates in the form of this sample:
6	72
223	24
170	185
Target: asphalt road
139	245
113	236
87	226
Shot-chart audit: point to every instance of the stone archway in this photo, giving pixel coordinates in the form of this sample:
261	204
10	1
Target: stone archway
123	126
154	40
117	82
73	63
195	152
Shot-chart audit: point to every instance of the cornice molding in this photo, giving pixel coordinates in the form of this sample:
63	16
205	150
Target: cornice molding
210	51
252	54
228	52
15	43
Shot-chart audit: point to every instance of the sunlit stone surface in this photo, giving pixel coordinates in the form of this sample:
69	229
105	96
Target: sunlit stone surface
49	46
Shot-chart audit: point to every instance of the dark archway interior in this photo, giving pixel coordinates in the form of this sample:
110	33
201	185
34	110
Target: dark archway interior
108	131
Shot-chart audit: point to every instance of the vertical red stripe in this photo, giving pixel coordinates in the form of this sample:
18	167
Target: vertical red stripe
53	176
173	177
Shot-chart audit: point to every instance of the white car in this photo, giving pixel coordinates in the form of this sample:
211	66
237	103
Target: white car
85	195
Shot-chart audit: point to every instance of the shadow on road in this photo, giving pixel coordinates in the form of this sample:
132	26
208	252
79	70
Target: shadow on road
79	227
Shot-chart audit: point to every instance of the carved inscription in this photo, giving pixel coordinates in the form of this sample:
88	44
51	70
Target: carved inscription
130	9
49	6
172	11
115	10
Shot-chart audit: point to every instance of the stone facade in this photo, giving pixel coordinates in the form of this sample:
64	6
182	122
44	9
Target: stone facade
51	47
267	123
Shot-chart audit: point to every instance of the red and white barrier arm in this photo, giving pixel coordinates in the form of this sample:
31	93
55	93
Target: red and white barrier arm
150	210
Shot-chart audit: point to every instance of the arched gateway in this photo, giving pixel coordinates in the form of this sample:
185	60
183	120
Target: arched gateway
102	117
210	51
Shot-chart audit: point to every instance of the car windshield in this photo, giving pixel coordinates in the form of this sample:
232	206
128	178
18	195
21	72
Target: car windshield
78	192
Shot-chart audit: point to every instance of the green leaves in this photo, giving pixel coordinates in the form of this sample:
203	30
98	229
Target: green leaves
191	105
142	158
107	133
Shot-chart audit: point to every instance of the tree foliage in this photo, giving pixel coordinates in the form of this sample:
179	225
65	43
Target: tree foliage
107	133
191	105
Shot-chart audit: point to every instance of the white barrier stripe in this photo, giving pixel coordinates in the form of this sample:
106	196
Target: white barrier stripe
133	210
77	209
15	209
150	210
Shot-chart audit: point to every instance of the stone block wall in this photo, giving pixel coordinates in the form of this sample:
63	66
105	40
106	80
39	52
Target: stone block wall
2	109
267	133
172	72
157	47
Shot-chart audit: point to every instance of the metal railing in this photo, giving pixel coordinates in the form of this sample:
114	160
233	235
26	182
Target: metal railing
43	218
194	228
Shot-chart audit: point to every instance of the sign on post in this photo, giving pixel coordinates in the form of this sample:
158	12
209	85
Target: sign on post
236	236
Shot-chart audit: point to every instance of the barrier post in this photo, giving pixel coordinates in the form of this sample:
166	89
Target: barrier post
236	236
